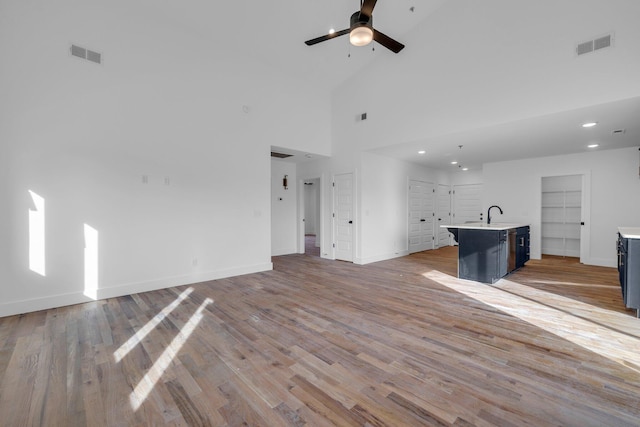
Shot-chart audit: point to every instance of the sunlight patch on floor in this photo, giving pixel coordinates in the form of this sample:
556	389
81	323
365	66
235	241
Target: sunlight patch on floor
125	348
538	308
146	384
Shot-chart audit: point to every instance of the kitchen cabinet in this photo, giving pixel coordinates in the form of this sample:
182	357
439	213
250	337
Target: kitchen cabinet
523	240
482	255
486	253
629	266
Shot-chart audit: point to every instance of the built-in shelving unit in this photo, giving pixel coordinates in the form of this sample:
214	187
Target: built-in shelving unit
561	215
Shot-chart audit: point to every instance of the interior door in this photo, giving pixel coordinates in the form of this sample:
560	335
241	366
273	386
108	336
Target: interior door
443	215
421	215
343	217
467	203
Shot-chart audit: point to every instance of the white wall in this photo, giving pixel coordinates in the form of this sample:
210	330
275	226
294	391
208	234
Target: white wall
614	194
164	105
283	208
381	208
384	205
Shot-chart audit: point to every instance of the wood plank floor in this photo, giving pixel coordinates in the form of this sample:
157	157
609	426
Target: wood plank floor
319	343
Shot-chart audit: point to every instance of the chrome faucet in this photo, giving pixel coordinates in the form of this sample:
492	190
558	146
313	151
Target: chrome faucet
489	213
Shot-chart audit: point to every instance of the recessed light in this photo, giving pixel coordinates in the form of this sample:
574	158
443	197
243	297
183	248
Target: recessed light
454	163
589	125
465	169
421	152
593	145
332	30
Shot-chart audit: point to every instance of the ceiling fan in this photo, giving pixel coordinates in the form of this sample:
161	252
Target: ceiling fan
361	30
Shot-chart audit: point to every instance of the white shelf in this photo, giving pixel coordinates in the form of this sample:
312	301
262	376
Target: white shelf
561	218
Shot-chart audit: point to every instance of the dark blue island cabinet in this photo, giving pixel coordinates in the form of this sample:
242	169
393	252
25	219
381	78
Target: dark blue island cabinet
486	253
522	243
629	266
482	254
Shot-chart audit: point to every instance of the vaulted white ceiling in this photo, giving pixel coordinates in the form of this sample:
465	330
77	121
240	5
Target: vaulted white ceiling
273	32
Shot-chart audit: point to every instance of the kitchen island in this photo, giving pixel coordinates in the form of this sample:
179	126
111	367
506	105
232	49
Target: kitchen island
629	266
488	252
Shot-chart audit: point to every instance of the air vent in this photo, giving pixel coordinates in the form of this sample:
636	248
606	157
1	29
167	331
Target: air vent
93	56
585	47
280	155
619	132
78	51
602	42
595	44
87	54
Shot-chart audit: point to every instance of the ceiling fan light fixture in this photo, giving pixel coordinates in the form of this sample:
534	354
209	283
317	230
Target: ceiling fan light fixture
361	35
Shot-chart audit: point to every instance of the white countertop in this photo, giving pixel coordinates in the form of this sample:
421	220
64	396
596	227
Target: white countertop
630	232
484	226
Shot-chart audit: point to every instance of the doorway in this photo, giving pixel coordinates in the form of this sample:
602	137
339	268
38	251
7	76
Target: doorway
311	217
562	215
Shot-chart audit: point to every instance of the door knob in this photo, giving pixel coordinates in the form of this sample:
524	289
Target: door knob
350	222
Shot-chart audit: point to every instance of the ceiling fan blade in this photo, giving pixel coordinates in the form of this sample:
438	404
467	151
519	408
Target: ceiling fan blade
387	41
367	7
327	37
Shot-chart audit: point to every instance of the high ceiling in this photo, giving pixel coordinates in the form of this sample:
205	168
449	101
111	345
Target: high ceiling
274	32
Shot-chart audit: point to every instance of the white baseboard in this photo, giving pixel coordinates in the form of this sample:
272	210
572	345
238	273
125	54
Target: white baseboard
383	257
602	262
61	300
284	251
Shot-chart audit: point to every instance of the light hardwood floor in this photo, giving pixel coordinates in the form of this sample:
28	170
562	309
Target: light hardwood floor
320	343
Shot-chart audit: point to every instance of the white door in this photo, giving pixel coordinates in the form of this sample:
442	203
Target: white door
421	215
343	216
443	215
467	203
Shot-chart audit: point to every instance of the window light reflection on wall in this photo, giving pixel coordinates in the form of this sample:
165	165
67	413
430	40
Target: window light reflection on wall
90	262
37	235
